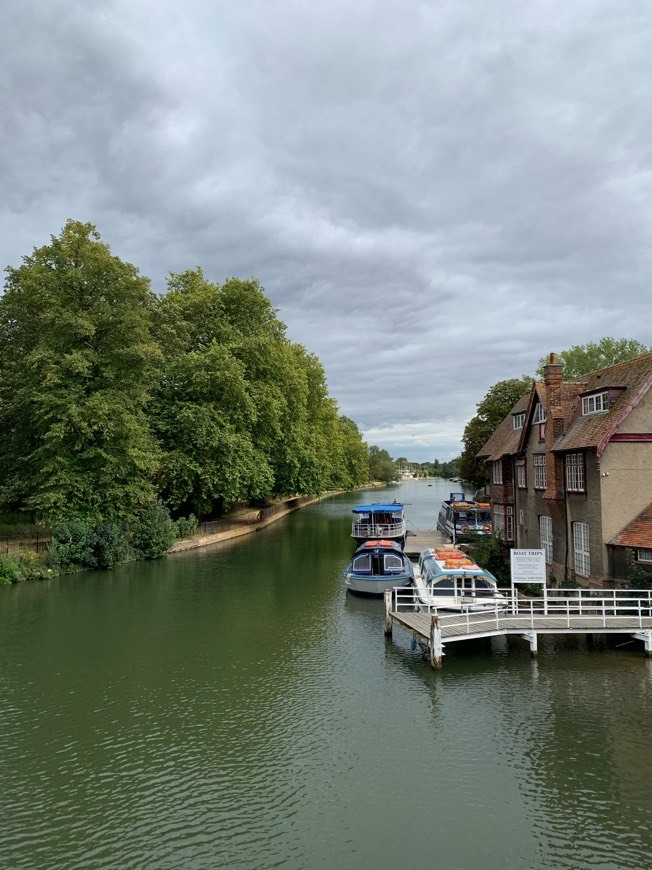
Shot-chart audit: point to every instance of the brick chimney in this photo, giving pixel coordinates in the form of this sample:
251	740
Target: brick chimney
554	494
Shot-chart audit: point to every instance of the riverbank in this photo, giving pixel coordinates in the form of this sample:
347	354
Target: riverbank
247	522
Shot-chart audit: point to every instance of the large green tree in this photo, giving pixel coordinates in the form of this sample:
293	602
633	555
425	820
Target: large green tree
494	407
76	365
381	465
581	359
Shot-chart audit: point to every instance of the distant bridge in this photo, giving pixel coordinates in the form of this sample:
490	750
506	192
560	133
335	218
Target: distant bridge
568	611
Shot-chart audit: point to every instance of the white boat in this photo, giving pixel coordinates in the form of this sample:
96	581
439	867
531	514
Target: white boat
377	566
374	521
447	579
461	516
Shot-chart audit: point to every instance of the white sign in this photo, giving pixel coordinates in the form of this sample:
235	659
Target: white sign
528	566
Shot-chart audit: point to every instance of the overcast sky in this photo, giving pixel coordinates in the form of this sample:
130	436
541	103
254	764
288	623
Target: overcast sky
433	194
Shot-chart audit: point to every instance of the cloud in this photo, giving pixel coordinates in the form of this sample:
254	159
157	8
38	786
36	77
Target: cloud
434	195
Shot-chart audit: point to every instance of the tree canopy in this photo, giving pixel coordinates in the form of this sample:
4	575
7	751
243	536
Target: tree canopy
492	410
580	359
112	398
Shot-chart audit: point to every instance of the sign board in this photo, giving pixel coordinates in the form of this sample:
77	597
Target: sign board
528	566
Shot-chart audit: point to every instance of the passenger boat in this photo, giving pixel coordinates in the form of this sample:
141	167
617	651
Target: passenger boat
447	579
376	566
461	516
373	521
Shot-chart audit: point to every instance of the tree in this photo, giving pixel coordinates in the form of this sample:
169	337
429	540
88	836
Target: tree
581	359
381	465
76	365
492	410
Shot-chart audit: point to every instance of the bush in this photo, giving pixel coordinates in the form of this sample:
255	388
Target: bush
71	545
154	532
186	526
109	545
18	567
493	555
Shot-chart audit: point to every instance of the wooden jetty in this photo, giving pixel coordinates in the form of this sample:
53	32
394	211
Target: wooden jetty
418	540
572	611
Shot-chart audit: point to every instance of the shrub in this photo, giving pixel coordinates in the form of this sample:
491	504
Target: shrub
17	567
186	526
154	532
71	545
109	545
493	554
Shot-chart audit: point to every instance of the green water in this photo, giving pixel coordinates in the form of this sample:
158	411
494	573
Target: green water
233	707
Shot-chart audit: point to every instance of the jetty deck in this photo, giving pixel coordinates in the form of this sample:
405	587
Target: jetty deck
576	611
418	540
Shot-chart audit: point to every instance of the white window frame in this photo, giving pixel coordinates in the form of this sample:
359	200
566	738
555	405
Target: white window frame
644	554
575	481
519	420
504	521
497	471
540	472
521	476
545	535
581	549
539	414
597	403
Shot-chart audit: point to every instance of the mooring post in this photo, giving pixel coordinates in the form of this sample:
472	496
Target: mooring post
646	637
436	648
531	637
388	612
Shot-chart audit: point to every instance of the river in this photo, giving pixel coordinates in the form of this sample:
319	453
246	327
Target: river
234	707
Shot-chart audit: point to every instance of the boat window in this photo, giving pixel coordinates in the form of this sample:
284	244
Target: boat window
393	564
445	586
362	563
483	587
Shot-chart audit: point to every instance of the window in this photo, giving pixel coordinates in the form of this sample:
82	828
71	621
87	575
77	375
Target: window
497	472
519	420
521	517
575	472
393	564
545	533
581	548
362	563
542	431
540	476
595	404
539	414
643	555
504	521
521	477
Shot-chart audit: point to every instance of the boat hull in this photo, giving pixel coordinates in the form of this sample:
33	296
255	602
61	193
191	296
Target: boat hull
374	585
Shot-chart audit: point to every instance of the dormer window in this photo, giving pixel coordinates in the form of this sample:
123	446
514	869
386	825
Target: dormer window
539	414
595	404
519	420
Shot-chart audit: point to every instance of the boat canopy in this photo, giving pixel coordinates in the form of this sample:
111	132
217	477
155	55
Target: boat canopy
395	507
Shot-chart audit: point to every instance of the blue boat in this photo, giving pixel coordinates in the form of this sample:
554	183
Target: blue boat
376	566
375	521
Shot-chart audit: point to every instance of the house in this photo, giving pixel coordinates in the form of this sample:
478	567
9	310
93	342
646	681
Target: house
571	472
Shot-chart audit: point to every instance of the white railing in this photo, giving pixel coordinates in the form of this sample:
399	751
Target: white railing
378	530
570	606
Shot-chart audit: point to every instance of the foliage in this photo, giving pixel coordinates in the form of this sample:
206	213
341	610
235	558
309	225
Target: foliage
78	544
381	465
581	359
638	577
185	527
18	567
76	364
491	411
154	532
493	554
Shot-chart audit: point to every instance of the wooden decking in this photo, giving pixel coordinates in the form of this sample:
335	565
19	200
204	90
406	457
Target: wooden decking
610	613
418	540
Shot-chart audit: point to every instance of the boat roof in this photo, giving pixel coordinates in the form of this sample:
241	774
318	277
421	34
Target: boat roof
379	545
449	558
378	508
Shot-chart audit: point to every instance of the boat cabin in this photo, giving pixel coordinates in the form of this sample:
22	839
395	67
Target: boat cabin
385	521
378	558
461	516
449	579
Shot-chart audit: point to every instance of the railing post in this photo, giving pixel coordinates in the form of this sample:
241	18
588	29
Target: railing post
388	611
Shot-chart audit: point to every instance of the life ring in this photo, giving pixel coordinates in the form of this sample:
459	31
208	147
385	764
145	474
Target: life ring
487	528
260	516
464	529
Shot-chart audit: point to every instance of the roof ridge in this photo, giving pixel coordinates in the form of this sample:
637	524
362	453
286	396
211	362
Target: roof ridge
623	362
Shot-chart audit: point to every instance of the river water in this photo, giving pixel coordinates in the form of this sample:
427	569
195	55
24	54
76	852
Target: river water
234	707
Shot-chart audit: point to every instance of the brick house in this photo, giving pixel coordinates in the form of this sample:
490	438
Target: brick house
571	471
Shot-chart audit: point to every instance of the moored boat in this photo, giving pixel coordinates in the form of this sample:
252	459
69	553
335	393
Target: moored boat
447	579
374	521
377	566
461	516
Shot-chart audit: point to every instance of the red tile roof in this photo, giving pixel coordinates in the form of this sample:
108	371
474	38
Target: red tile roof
638	533
505	438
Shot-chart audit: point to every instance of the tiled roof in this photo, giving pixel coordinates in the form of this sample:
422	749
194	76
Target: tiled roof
638	533
505	438
635	375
